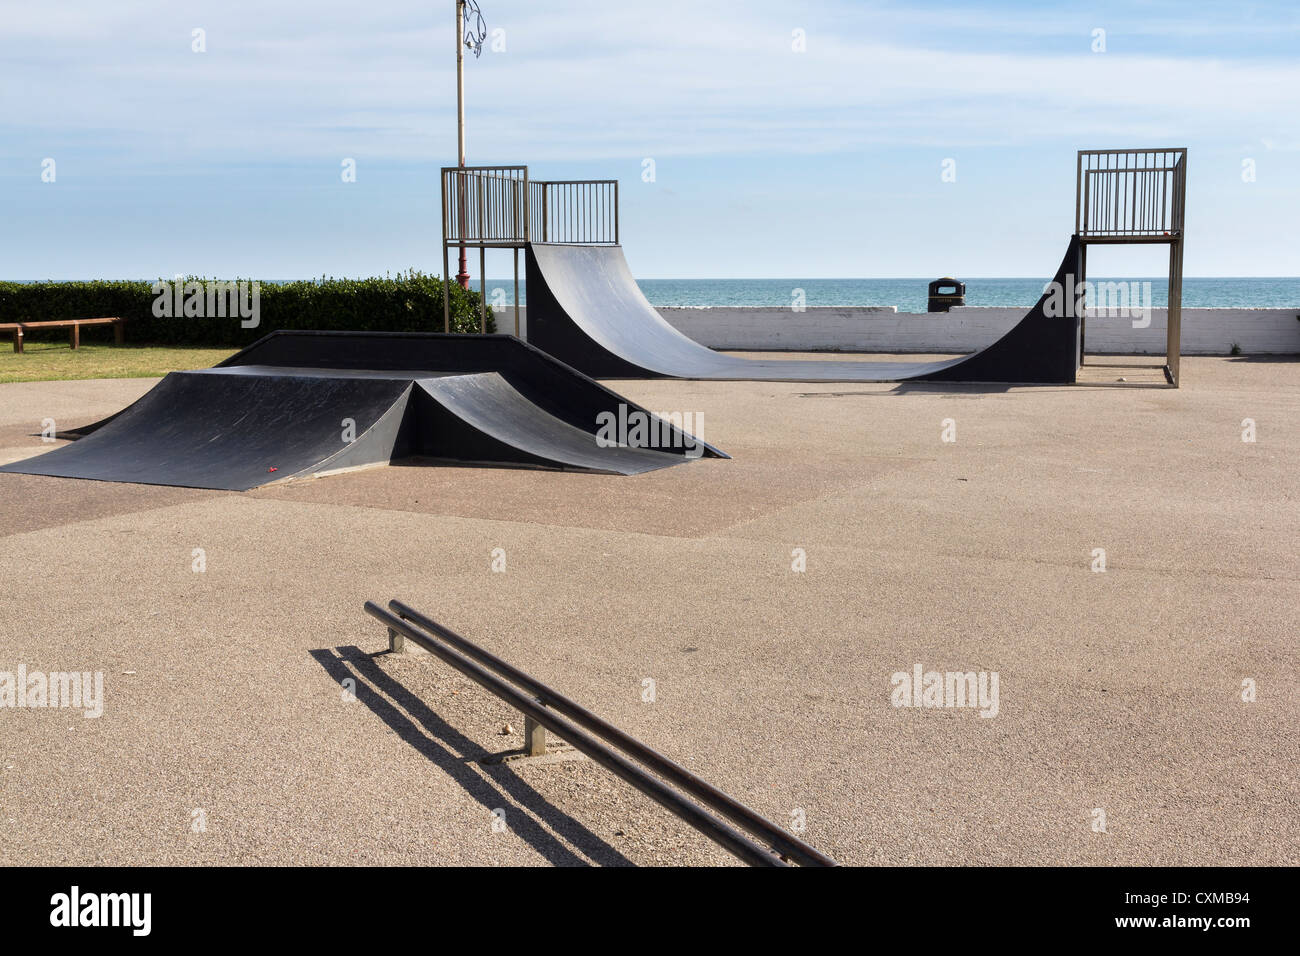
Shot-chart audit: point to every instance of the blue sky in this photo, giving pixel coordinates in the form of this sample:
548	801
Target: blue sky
769	162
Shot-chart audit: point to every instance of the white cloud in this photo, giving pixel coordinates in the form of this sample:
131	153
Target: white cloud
591	80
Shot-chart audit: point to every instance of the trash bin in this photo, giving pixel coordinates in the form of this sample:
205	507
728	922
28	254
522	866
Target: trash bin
945	293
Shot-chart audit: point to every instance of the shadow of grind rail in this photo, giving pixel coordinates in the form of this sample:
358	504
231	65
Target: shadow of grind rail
547	828
646	770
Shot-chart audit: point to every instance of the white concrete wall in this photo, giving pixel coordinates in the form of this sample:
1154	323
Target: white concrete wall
965	329
1205	332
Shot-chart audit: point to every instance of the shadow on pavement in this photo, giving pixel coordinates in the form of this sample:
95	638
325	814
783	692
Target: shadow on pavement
452	751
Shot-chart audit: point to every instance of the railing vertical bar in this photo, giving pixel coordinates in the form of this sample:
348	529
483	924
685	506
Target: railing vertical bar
1147	222
1103	201
1129	216
1116	187
1131	198
1140	220
1156	224
1114	198
1157	190
1164	186
1078	193
1139	205
1097	188
446	279
1140	224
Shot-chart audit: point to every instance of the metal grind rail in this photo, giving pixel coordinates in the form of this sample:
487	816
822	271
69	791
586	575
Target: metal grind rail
549	709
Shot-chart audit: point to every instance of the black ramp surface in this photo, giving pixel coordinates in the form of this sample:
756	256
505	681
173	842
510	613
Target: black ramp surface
259	419
500	426
585	308
234	432
553	386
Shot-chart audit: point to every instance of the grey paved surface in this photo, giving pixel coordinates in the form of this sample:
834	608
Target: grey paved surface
1119	691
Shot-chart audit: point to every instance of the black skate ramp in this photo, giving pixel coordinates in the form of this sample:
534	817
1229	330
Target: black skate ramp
585	308
297	404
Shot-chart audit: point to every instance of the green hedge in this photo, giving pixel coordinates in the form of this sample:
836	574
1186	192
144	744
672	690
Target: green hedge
410	302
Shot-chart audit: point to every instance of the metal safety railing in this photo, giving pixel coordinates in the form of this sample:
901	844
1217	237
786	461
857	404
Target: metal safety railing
650	772
1130	194
484	205
574	210
499	207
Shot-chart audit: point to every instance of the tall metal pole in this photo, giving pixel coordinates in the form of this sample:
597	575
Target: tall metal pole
463	276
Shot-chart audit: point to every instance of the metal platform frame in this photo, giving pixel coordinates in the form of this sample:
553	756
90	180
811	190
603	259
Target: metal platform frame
1135	196
500	207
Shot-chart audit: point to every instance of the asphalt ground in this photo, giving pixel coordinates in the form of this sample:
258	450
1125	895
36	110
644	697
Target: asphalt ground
1121	736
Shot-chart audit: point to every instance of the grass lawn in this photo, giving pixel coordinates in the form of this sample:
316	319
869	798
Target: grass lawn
54	361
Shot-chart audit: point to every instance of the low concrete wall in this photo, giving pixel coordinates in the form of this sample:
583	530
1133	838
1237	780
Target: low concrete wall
777	328
965	329
1205	332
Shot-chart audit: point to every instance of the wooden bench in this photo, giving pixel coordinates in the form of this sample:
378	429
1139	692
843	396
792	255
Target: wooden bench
73	325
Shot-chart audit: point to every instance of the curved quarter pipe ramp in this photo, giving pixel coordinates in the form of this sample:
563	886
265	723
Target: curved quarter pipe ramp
585	308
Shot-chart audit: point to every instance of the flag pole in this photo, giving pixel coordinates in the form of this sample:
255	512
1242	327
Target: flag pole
463	276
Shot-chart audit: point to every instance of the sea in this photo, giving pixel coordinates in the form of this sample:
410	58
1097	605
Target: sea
910	295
